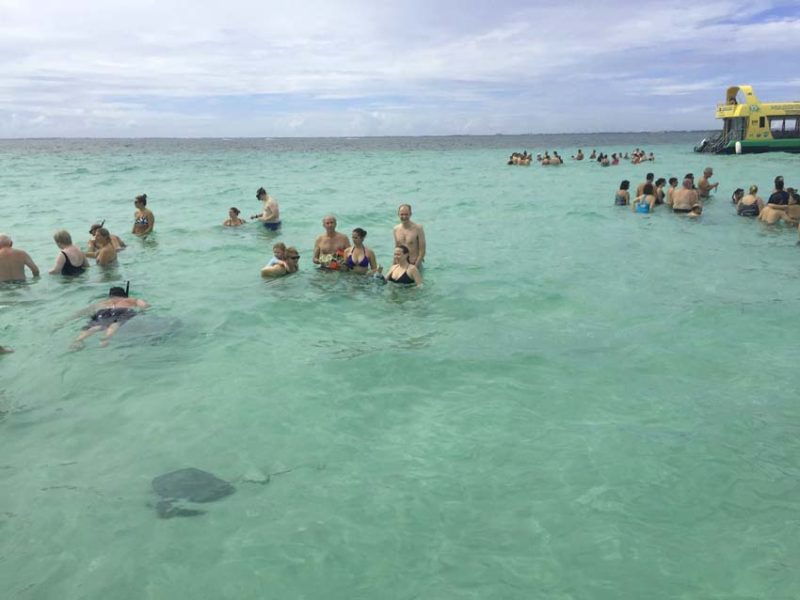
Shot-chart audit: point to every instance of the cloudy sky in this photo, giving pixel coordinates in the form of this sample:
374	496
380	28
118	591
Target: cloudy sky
138	68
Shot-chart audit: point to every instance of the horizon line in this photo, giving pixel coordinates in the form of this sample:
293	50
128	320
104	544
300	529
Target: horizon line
345	137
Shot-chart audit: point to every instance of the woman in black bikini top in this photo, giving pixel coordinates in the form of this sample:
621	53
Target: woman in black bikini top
403	271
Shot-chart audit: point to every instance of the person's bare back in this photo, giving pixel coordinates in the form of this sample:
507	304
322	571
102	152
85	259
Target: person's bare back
13	262
684	198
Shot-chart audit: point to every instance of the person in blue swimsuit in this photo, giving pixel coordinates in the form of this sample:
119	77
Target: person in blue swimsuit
646	202
403	271
359	258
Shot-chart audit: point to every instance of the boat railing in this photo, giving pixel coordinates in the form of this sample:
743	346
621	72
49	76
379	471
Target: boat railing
714	144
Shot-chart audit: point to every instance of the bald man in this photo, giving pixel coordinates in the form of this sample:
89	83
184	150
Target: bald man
329	244
685	198
704	186
13	262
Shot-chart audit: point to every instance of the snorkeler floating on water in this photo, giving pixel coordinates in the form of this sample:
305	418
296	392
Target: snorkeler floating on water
110	314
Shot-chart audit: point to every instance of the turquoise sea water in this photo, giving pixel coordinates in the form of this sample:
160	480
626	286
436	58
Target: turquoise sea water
580	402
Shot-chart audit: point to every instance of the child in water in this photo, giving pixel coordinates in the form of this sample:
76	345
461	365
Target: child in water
279	252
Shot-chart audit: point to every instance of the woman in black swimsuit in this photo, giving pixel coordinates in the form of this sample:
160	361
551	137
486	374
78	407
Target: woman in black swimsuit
403	271
71	260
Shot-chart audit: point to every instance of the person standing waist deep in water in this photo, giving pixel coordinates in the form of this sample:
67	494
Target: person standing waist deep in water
144	218
270	215
13	261
403	271
411	235
70	260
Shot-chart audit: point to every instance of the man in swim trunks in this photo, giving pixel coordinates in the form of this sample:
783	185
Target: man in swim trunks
704	186
270	215
331	245
685	198
13	262
109	314
411	235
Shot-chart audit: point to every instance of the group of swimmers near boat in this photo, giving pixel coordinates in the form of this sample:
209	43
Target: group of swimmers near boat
637	156
333	251
783	203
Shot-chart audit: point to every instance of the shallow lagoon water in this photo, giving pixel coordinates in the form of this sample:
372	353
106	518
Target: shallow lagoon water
581	402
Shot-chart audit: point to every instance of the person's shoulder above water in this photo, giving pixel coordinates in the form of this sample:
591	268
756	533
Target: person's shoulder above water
13	261
281	267
233	219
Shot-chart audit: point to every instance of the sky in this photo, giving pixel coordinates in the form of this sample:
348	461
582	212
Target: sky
266	68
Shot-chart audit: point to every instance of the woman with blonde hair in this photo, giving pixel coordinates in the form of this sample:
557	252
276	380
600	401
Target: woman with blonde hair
283	267
70	260
750	205
104	252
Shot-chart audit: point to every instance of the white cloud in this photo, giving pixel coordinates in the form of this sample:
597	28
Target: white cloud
370	68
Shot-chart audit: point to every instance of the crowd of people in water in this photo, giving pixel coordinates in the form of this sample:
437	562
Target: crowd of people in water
688	198
546	159
333	251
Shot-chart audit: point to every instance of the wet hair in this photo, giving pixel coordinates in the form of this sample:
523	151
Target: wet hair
235	210
96	226
649	177
625	185
261	192
291	250
689	176
279	246
104	232
120	292
360	232
660	181
647	189
673	180
753	189
779	183
403	248
408	206
142	198
62	237
698	208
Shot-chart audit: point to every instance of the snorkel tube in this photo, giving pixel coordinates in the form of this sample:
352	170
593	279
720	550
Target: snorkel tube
119	292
